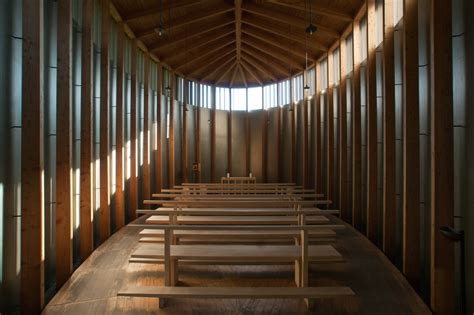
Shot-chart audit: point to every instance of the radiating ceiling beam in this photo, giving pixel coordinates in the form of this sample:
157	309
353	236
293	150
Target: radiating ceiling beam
257	64
220	66
247	67
222	76
317	8
243	75
171	5
238	26
209	51
232	80
214	62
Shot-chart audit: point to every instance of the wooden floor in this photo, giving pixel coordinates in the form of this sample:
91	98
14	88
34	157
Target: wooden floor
379	286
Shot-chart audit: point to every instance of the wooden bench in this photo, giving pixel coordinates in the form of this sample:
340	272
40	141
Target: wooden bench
235	220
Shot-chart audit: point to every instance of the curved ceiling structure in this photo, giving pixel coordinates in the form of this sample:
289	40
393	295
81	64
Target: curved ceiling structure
237	43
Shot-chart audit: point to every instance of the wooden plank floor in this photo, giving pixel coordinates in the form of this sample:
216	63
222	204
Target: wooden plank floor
379	287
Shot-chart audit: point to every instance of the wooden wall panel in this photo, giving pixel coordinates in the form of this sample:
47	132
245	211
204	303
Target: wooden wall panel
356	130
32	161
293	130
159	118
389	156
104	124
64	166
411	143
184	142
213	135
342	124
372	204
171	151
119	142
319	149
146	130
330	128
442	201
86	231
133	198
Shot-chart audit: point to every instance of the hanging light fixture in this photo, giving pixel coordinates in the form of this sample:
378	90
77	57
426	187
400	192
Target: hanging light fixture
311	28
160	30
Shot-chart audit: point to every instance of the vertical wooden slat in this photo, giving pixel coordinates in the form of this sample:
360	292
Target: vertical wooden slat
293	129
356	129
229	136
319	149
442	201
411	144
372	163
104	124
133	135
330	128
171	162
184	142
146	129
159	119
86	217
264	145
389	156
247	135
278	143
119	142
342	124
64	166
213	136
305	166
32	163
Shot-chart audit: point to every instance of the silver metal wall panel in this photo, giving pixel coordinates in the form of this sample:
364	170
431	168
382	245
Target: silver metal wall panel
205	143
238	143
256	143
221	144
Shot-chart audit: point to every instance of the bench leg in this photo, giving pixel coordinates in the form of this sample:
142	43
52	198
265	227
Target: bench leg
173	272
297	267
161	302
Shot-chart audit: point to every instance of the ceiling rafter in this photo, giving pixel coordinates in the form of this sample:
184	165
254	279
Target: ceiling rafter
222	76
232	80
200	30
277	29
189	18
218	68
288	59
258	65
197	47
268	59
242	74
238	25
213	62
289	19
176	4
317	8
217	48
249	70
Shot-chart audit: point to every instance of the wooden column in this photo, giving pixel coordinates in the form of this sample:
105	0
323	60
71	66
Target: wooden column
184	142
159	145
104	124
389	153
229	136
319	148
330	128
32	163
86	217
171	163
293	129
247	134
278	142
372	163
146	129
119	142
265	121
305	132
442	201
342	124
133	135
213	136
64	166
411	145
356	129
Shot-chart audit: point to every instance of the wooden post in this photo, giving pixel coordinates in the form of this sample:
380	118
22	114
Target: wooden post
411	143
213	136
389	153
86	217
133	135
305	132
247	134
64	180
32	163
293	130
330	127
119	142
356	129
442	201
159	146
229	136
104	124
342	118
319	148
171	162
146	129
279	146
264	145
184	142
372	163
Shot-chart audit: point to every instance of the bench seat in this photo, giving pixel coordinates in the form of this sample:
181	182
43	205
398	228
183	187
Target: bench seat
237	220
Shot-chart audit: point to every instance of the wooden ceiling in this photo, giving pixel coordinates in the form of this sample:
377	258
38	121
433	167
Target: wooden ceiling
237	42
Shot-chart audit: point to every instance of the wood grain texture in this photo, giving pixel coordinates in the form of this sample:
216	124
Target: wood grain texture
184	140
319	149
133	198
159	118
213	136
146	192
171	140
442	203
104	212
64	165
342	125
32	161
389	153
411	146
330	167
119	134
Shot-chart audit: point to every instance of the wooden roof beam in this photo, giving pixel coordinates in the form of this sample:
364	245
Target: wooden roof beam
222	76
189	18
249	70
318	9
218	68
232	80
176	4
217	48
288	19
257	64
214	62
243	75
238	25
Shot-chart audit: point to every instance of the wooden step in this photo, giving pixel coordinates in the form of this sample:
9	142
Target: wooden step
237	220
240	253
